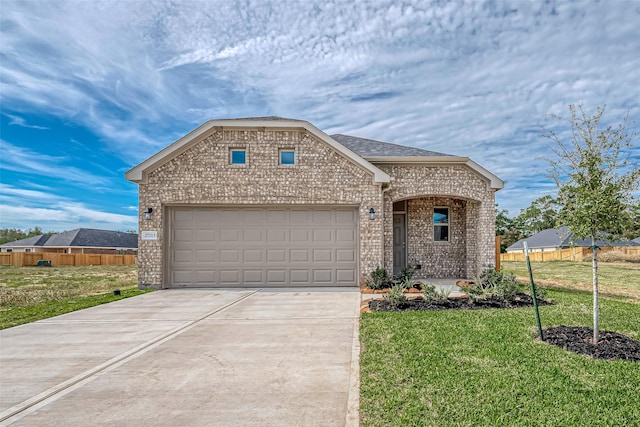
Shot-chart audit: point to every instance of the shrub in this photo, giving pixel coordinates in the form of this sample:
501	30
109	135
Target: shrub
396	296
408	284
495	284
406	274
429	292
444	293
379	279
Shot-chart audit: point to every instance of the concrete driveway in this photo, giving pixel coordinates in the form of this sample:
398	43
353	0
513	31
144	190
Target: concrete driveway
241	357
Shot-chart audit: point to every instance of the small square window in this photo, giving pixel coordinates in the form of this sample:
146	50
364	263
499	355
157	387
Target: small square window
238	156
287	157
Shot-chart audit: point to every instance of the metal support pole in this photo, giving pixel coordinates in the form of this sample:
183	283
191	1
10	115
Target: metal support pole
533	291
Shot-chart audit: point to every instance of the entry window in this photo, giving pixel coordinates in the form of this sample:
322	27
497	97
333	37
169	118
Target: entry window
441	224
287	157
238	156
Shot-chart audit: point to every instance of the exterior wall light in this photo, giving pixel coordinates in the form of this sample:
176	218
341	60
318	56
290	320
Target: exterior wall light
372	214
147	214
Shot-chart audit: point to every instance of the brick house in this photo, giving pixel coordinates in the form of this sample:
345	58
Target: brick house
277	202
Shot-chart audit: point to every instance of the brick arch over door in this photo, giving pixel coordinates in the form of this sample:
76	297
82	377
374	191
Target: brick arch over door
415	182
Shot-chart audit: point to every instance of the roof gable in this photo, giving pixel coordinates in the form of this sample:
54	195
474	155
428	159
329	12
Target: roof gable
139	173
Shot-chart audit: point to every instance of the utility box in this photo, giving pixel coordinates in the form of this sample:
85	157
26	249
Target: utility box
44	263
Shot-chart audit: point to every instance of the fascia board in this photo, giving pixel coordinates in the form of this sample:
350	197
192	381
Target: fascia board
138	173
496	183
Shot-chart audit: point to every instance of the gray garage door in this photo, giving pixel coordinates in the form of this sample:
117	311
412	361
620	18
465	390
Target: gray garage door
223	247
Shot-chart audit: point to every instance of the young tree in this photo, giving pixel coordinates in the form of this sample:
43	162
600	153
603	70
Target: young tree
595	180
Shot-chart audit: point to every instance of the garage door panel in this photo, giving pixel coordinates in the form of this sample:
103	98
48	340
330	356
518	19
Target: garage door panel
253	235
322	235
322	255
182	276
253	277
206	235
183	235
345	255
230	235
229	255
345	276
230	277
300	276
299	255
298	217
206	276
346	217
276	255
345	235
299	235
323	276
253	255
206	255
263	246
323	217
277	216
184	255
276	235
276	276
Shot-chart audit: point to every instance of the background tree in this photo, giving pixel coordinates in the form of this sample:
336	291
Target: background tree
13	234
540	215
595	181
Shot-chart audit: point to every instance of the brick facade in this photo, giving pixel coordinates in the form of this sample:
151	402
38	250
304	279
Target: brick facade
203	176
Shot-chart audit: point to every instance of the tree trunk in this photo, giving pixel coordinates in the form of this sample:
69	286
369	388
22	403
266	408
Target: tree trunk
596	328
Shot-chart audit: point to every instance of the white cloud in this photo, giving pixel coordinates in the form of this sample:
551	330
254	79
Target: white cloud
28	208
19	121
469	78
26	161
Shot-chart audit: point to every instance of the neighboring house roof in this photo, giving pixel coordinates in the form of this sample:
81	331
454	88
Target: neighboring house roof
362	151
563	238
636	240
80	237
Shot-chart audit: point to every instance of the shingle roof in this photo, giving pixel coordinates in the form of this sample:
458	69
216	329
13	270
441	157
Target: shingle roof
29	241
371	148
563	238
81	237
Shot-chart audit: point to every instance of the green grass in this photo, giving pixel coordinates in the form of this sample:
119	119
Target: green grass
620	280
28	294
485	368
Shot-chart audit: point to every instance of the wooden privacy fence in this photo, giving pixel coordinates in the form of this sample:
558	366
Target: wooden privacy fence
572	254
21	259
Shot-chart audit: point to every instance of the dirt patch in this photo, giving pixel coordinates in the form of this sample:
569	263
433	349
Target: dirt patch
578	339
464	303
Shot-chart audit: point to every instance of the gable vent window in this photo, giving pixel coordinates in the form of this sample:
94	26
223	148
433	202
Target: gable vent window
441	224
287	157
238	156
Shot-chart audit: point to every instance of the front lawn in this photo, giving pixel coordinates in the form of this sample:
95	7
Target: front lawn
619	279
459	368
28	294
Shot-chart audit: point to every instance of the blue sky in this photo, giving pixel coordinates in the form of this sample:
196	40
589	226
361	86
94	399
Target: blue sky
90	89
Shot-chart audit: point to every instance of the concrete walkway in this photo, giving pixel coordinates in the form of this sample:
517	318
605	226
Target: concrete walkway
188	358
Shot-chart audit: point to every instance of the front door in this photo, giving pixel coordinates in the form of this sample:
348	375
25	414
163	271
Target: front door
399	243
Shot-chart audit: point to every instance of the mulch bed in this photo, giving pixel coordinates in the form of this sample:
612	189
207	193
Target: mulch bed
419	303
578	339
